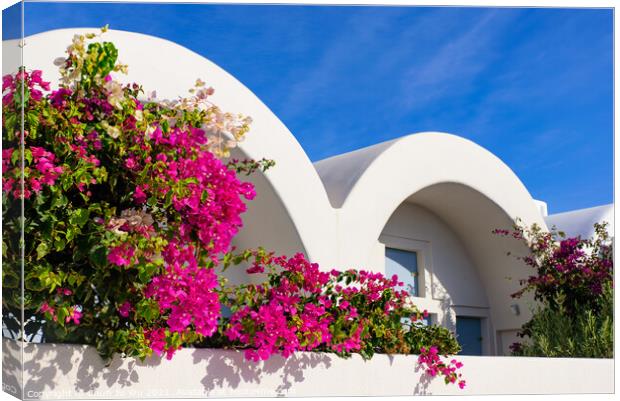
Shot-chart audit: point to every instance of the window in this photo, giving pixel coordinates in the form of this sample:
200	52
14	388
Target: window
405	265
426	321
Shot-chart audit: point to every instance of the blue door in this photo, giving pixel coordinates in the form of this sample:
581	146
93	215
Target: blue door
469	335
405	265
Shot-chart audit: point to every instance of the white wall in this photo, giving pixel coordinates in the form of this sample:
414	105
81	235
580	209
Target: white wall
505	339
449	280
266	223
581	222
454	276
70	372
446	272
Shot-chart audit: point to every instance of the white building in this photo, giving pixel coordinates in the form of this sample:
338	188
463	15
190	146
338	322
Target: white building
425	203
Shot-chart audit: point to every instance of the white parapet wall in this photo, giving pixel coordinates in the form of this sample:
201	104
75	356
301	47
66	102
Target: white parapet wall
53	371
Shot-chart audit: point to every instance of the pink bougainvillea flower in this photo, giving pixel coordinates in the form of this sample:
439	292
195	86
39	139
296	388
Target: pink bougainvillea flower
74	315
156	340
186	291
46	308
121	255
139	195
64	291
125	309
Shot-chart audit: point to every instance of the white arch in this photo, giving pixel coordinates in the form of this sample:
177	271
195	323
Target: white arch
466	185
384	175
171	69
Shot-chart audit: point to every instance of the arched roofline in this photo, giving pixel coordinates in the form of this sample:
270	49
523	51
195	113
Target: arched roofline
387	174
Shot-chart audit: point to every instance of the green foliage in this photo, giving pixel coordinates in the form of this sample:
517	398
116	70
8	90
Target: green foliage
439	336
555	333
101	59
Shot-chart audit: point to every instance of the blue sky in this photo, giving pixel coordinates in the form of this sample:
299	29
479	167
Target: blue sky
534	86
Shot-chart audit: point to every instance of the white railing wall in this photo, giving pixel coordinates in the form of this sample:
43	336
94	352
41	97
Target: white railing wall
53	371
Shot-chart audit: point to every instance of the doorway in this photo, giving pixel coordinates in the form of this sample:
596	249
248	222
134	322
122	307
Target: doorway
469	334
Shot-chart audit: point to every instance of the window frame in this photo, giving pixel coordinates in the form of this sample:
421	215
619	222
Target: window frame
415	274
423	253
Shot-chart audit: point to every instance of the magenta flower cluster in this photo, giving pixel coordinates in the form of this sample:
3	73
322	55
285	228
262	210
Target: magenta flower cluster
576	267
307	309
185	292
203	190
301	308
121	255
12	84
174	170
71	315
282	321
43	171
430	360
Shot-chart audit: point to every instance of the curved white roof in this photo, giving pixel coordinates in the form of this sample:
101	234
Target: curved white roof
581	222
413	162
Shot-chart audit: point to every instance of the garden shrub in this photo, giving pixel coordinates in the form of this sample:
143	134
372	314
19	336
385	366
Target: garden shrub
120	195
585	334
130	205
573	284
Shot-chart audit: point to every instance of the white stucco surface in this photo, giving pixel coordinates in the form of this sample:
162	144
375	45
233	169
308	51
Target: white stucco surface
389	173
447	272
77	372
471	190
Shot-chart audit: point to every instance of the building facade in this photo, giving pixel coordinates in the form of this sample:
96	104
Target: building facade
422	206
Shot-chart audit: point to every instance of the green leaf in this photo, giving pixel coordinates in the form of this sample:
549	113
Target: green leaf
61	314
10	279
59	244
10	124
98	256
70	234
28	156
79	217
42	250
59	201
32	117
147	310
15	157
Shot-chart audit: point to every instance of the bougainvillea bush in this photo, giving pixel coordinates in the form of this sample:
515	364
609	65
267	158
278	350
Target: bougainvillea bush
299	307
130	205
573	283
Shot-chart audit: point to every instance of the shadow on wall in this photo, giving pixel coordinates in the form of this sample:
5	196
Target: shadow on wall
51	369
445	304
42	365
45	364
422	388
11	367
230	369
